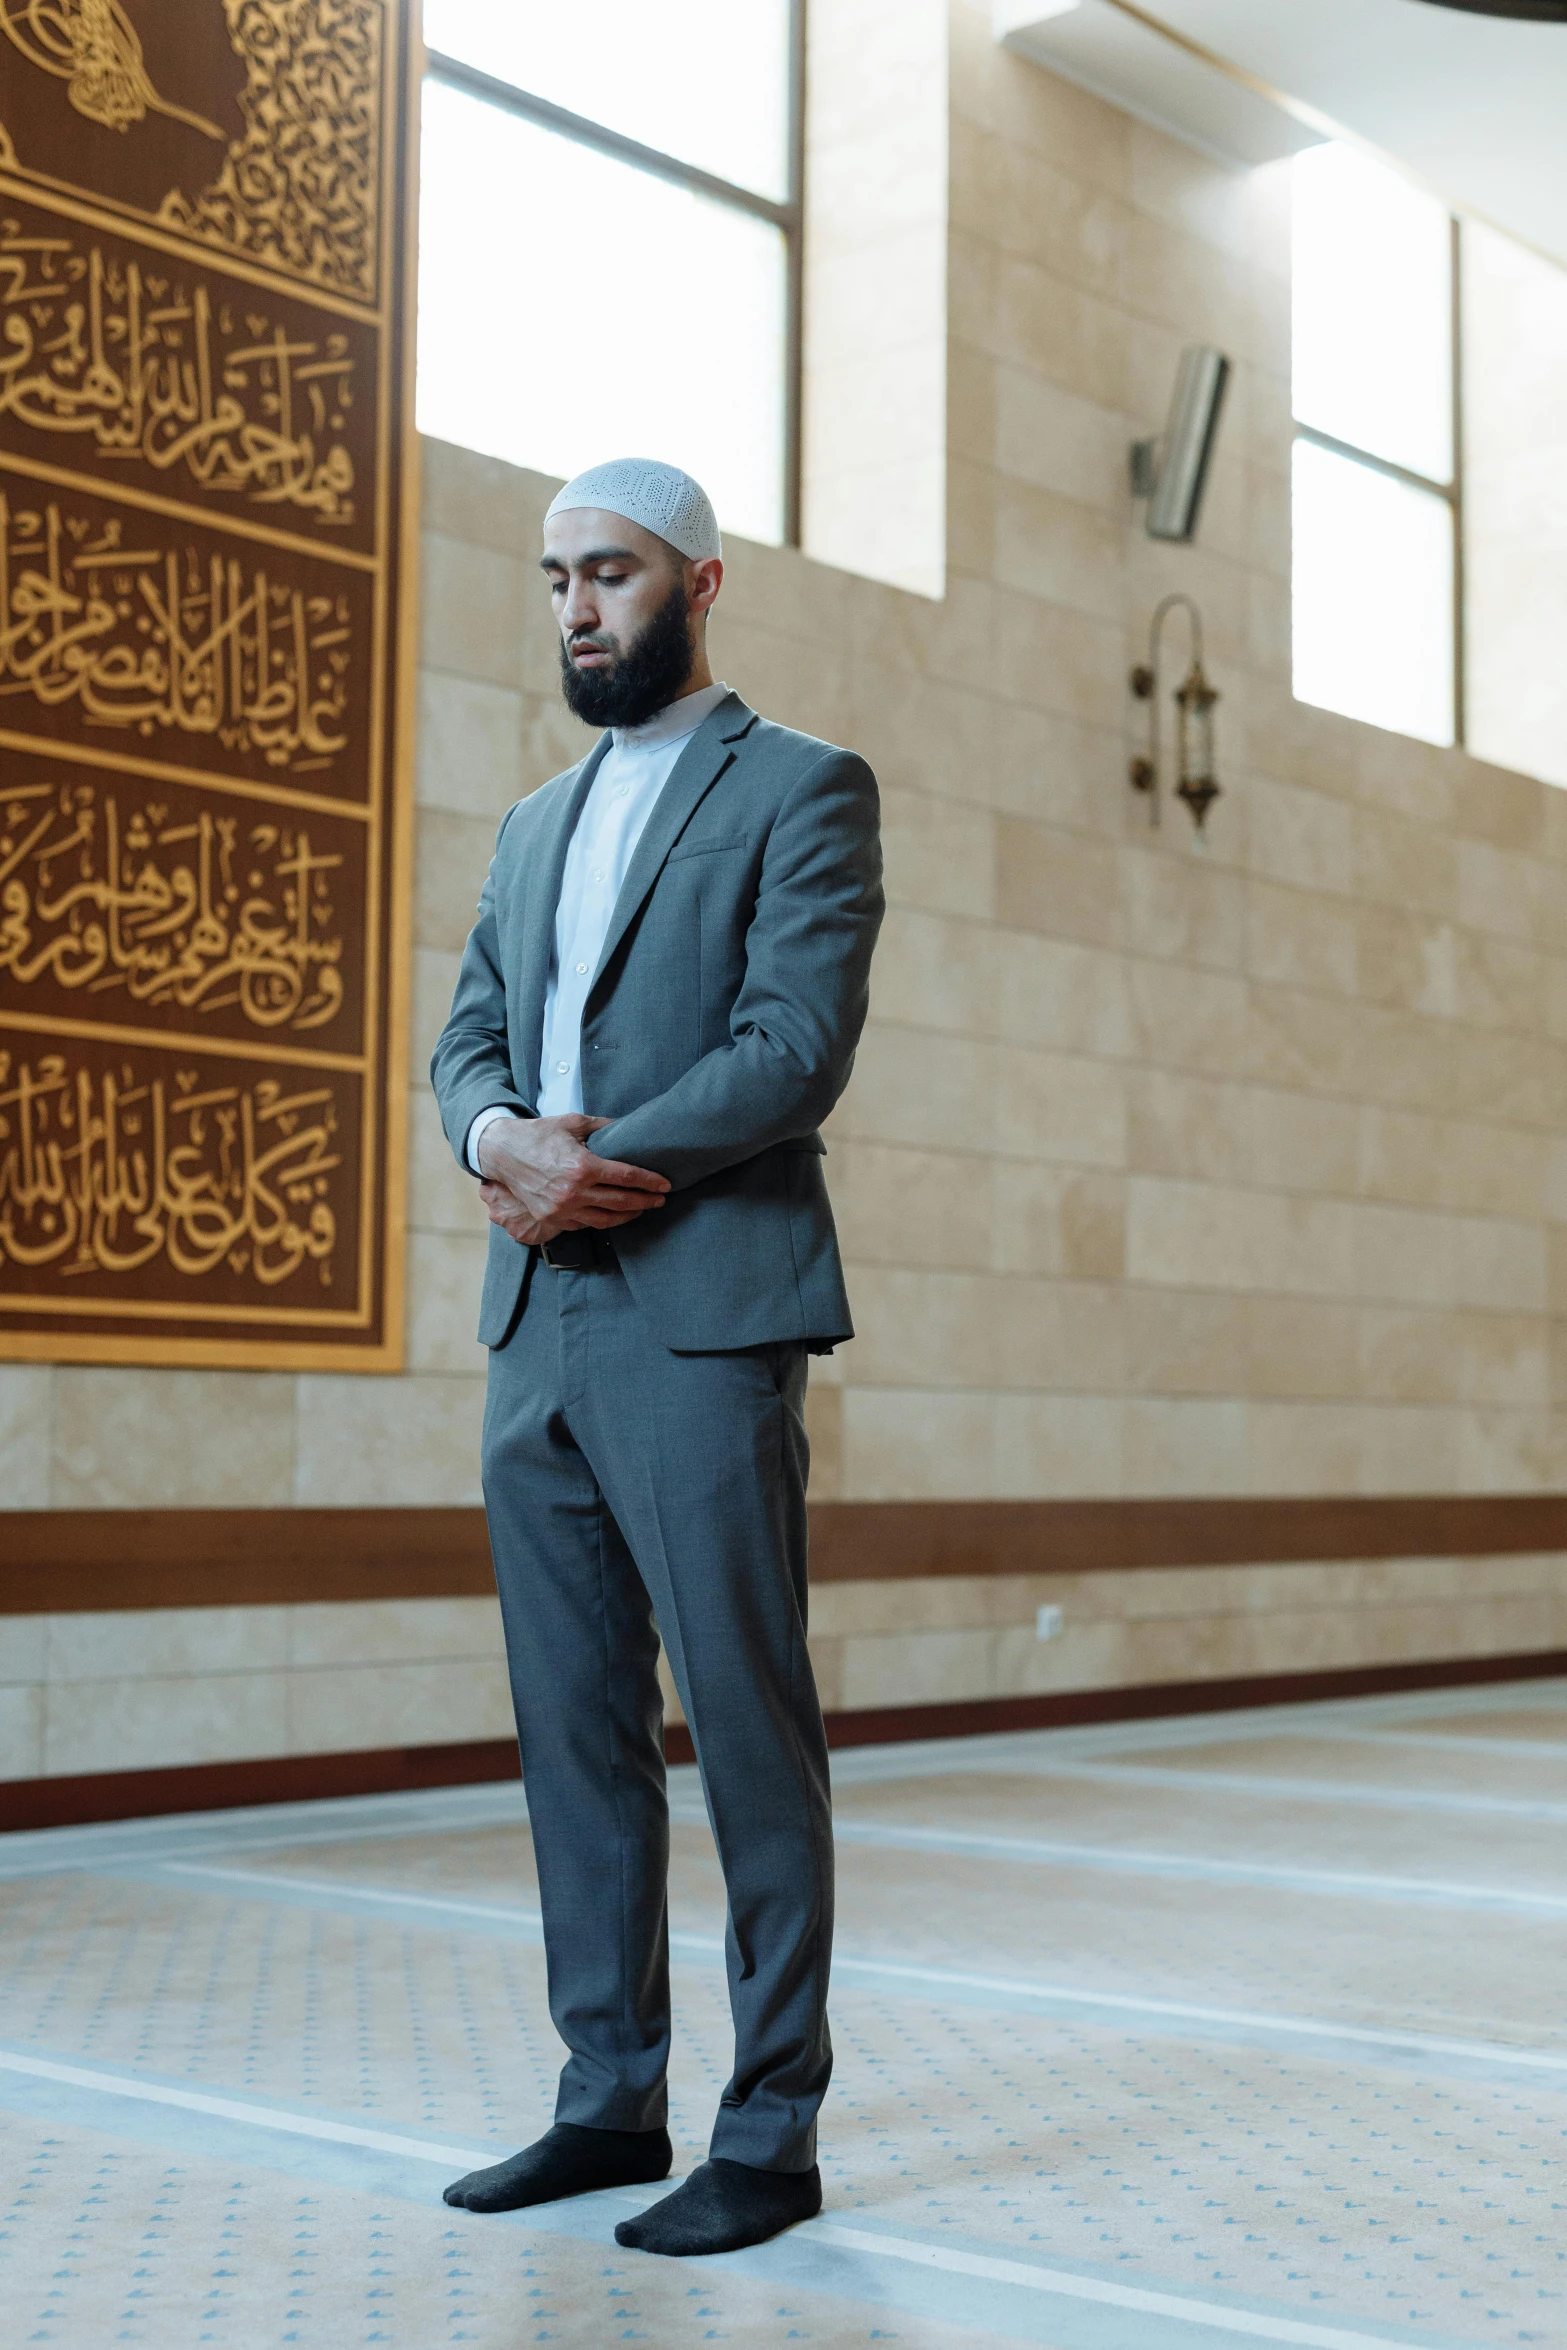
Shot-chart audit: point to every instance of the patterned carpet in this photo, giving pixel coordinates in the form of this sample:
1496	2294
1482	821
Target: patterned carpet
1157	2037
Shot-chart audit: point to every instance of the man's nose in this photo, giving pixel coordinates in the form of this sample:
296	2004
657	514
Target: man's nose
579	609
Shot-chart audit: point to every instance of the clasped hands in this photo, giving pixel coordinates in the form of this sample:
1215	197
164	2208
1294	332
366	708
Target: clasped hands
538	1178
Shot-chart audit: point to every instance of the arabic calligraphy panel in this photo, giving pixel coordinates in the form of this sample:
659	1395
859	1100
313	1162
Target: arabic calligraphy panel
149	1177
180	642
172	906
206	450
257	123
137	367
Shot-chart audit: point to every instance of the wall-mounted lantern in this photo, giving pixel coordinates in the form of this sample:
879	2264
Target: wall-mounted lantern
1196	778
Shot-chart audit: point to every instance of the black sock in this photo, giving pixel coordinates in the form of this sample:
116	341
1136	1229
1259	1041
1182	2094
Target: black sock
567	2160
722	2207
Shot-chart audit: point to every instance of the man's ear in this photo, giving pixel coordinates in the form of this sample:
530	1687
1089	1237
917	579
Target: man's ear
707	577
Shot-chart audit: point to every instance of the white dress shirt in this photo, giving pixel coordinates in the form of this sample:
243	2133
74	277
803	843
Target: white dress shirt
621	798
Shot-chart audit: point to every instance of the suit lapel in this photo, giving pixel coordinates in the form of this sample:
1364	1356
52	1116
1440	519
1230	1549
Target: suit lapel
541	895
709	752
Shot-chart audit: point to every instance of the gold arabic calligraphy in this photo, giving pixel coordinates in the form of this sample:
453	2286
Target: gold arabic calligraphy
204	547
153	638
101	1175
191	914
92	46
298	191
145	369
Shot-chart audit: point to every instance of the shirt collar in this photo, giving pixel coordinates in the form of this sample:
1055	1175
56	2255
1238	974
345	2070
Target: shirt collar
674	722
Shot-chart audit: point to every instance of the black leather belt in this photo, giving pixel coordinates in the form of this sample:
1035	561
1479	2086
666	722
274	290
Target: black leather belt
578	1252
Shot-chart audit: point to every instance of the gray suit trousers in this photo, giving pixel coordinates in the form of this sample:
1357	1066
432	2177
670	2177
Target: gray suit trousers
626	1483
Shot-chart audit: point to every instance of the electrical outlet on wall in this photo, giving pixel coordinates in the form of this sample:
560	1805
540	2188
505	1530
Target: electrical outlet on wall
1049	1624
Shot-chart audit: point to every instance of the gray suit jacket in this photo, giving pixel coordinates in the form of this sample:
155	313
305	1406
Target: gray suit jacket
719	1028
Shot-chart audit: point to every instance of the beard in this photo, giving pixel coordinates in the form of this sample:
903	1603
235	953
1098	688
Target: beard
639	679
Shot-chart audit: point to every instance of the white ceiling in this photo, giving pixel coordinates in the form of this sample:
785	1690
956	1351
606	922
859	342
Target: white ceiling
1475	105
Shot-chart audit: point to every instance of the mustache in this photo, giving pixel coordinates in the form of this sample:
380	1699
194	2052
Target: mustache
634	680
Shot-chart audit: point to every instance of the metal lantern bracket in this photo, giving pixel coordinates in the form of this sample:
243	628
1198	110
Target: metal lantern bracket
1195	698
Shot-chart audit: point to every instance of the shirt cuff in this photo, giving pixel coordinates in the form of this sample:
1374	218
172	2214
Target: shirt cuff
484	1119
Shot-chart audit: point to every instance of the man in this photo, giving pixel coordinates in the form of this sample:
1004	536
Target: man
658	1005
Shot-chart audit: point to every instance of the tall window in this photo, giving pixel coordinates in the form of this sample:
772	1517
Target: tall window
609	240
1378	588
1515	504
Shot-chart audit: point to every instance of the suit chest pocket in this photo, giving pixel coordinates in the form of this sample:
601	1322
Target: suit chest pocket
688	850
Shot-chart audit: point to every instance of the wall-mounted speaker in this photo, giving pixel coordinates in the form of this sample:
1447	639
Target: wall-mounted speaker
1172	473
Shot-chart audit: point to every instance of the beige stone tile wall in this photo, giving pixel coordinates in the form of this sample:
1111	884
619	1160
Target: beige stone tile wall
920	1643
149	1689
144	1690
1166	1168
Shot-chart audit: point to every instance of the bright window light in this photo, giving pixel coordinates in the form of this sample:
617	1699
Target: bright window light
1373	310
705	80
1515	504
1373	596
572	309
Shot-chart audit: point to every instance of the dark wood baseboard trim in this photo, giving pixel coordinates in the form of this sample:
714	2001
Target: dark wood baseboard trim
304	1778
1070	1708
59	1561
233	1786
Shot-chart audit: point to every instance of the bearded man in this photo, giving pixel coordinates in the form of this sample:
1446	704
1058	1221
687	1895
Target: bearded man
658	1005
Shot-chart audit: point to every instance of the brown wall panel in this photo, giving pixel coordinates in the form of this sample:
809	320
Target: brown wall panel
857	1541
61	1560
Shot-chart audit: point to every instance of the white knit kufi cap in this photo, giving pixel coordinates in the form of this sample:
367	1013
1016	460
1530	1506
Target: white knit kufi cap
659	497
